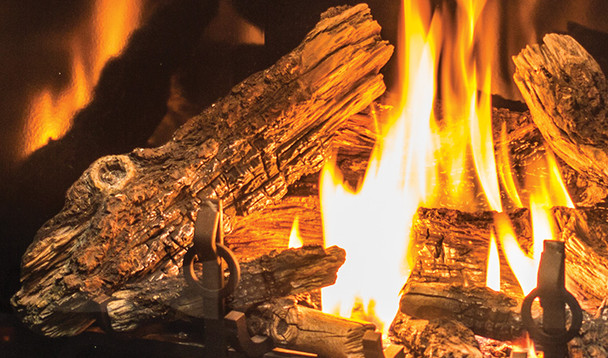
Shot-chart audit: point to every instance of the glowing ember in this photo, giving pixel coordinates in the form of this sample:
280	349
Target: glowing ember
50	112
295	239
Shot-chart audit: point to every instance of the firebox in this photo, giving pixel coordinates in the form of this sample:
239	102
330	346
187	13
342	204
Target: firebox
218	178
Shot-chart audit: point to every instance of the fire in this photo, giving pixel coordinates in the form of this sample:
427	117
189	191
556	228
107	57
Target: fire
372	222
295	238
493	272
546	189
522	264
427	159
50	112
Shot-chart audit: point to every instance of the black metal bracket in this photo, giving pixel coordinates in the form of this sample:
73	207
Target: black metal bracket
553	335
220	329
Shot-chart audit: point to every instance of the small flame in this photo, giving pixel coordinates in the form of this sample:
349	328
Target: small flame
523	265
493	271
50	113
504	169
295	238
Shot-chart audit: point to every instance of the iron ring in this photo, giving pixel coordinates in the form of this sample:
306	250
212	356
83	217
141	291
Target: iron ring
233	267
539	333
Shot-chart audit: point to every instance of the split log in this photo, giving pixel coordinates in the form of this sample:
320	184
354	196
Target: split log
486	312
267	277
493	314
567	93
129	218
434	338
309	330
452	248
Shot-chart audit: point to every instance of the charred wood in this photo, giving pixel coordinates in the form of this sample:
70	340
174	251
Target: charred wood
264	278
452	248
434	338
567	93
491	314
129	218
486	312
309	330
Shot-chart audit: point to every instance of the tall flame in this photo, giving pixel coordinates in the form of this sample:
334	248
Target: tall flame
421	159
373	222
50	113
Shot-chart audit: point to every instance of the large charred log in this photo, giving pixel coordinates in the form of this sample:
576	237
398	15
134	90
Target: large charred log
129	218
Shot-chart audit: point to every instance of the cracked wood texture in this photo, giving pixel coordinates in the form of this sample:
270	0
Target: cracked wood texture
486	312
429	307
435	338
130	217
267	277
309	330
452	247
567	94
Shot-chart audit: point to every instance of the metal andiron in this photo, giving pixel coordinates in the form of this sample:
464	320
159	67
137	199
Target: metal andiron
553	334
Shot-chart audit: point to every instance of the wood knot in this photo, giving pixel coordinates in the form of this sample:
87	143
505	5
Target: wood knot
112	172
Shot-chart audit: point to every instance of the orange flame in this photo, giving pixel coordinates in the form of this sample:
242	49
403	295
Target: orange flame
373	222
50	113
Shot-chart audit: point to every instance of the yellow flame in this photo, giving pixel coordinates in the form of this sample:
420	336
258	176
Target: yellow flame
504	169
295	238
373	222
50	113
493	271
523	265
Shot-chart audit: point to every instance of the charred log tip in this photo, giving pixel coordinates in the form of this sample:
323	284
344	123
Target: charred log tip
112	172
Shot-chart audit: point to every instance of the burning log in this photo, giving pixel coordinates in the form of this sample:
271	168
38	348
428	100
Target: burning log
567	93
486	313
264	278
452	248
309	330
129	218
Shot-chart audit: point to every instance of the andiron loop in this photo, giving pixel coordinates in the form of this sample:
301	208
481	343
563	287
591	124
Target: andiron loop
553	335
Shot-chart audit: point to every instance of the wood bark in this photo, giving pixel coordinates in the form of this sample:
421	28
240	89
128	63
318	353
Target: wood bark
130	217
309	330
264	278
567	93
452	247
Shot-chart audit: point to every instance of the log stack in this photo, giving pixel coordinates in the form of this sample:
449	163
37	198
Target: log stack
128	220
117	246
444	301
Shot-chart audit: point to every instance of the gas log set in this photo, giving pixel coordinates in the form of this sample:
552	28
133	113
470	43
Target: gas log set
188	242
